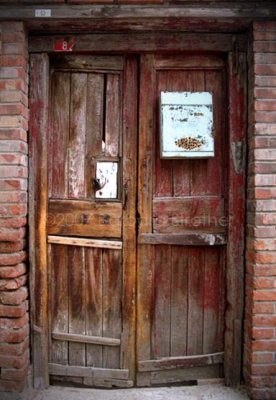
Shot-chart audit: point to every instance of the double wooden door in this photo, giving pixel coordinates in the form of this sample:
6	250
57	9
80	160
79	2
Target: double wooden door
137	245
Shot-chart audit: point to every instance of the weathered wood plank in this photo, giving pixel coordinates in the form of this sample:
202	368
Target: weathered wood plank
84	218
161	292
94	307
180	362
184	239
70	337
89	63
71	241
179	301
181	62
113	115
235	260
184	375
88	372
112	316
77	303
139	42
174	215
59	133
129	133
195	309
39	102
76	150
59	302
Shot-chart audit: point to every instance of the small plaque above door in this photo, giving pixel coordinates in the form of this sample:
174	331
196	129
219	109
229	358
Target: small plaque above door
186	122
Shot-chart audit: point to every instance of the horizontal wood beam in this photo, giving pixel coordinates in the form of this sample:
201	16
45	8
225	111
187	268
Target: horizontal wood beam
70	337
185	239
88	372
139	42
72	241
180	362
232	10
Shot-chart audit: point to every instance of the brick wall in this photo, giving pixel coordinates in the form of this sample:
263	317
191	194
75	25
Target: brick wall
14	327
260	326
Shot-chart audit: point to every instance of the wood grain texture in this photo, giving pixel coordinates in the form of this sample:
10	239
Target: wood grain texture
113	115
83	218
235	261
103	244
70	337
39	103
187	238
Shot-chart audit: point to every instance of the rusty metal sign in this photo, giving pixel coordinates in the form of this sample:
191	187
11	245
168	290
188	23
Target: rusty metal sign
186	121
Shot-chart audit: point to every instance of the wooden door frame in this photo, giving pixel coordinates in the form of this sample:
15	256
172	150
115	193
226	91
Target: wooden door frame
234	46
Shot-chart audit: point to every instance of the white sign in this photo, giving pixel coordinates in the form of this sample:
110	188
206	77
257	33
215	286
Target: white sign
186	125
43	13
106	174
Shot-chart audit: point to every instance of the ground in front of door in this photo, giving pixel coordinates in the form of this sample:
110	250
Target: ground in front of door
203	392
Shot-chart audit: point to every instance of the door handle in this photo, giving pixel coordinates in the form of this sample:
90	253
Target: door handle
125	195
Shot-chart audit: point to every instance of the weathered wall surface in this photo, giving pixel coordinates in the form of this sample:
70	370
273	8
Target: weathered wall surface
260	325
14	325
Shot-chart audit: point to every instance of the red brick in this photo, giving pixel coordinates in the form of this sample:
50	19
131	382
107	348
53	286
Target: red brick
13	109
264	58
13	197
13	48
265	69
264	282
13	272
265	180
13	84
13	258
265	81
14	349
264	232
264	295
13	209
267	244
14	297
11	235
263	369
13	184
12	61
18	146
12	222
263	308
14	374
263	333
265	93
264	193
265	270
12	27
11	386
264	46
262	358
264	154
264	26
13	311
264	167
13	134
262	142
13	159
11	247
14	323
14	361
264	320
13	171
13	37
12	284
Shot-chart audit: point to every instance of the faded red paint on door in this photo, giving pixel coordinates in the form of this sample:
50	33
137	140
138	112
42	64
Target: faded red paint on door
182	237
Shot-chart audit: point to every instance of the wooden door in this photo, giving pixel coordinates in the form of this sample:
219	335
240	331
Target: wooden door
91	233
183	232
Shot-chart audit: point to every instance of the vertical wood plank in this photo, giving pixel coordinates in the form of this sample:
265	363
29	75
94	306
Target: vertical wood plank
179	300
77	302
59	302
76	155
59	135
235	249
145	253
94	305
94	127
161	323
112	291
195	311
162	173
112	115
130	122
212	301
39	103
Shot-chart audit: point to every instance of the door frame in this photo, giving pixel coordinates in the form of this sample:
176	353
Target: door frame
234	47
